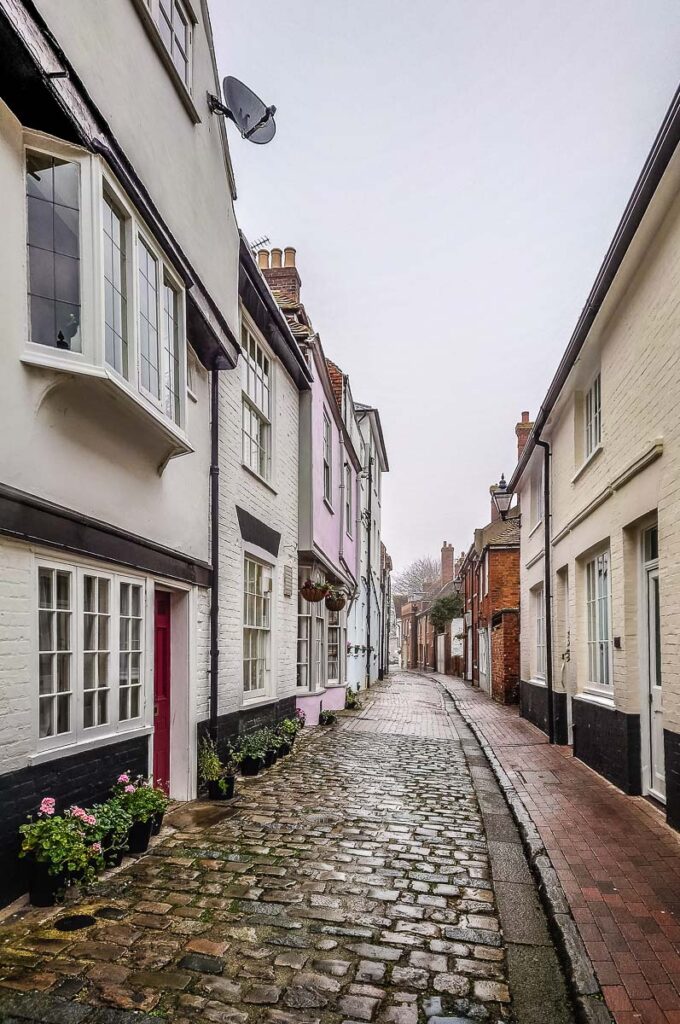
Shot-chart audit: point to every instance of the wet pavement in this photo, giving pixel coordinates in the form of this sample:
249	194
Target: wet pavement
352	882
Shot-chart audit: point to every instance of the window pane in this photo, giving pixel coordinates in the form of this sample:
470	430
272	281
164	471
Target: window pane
46	684
148	335
53	240
171	352
115	289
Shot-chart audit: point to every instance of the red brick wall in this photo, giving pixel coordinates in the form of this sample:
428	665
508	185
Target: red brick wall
505	658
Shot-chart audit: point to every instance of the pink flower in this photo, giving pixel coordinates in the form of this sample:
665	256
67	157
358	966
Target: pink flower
129	789
78	812
124	777
96	847
89	819
47	805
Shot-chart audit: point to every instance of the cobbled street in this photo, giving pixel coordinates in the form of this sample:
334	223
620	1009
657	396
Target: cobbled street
349	883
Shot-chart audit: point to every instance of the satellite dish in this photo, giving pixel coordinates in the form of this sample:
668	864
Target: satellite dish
254	120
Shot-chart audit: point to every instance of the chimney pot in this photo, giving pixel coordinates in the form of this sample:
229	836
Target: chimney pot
289	256
276	258
263	259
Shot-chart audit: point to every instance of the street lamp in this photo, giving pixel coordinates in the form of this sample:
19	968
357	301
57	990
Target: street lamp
502	497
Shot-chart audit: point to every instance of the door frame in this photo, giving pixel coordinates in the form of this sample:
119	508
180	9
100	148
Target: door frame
645	570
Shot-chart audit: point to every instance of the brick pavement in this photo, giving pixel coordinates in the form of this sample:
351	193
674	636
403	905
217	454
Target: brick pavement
349	883
617	859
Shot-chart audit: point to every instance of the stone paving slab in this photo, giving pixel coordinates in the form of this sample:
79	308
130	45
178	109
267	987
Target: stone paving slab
616	859
351	883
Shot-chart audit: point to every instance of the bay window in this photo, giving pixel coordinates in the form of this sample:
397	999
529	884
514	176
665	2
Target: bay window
336	648
90	654
102	299
304	643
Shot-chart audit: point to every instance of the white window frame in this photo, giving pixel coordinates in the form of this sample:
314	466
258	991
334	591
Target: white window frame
327	459
598	613
341	629
248	333
304	636
539	625
96	181
155	11
349	500
537	496
268	631
592	416
486	573
78	736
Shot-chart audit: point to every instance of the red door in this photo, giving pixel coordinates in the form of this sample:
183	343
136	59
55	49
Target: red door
161	691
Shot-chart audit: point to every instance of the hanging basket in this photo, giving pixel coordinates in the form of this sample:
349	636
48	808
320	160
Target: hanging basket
313	594
335	604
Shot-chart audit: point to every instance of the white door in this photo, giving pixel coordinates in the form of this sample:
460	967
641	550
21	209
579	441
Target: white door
484	672
657	780
468	668
441	649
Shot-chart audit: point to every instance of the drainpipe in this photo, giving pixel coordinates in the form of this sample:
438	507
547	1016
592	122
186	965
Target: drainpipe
369	573
381	653
547	588
214	544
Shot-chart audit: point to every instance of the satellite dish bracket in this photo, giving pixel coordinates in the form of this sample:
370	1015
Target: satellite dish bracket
216	107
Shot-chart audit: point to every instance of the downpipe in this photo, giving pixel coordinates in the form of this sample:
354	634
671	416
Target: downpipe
547	587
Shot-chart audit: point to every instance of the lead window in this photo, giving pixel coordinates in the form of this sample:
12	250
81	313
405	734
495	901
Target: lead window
90	654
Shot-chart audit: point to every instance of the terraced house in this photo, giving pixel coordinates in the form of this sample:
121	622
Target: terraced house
598	488
119	291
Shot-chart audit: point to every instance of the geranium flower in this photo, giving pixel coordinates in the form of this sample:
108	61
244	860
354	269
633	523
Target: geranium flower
129	789
96	847
89	819
124	777
47	805
77	812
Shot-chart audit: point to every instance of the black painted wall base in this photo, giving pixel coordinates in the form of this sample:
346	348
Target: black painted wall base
671	744
249	719
608	741
84	779
533	705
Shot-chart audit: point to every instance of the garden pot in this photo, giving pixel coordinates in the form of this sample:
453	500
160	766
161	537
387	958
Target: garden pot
270	758
44	888
223	791
313	594
139	836
112	858
251	765
157	822
335	604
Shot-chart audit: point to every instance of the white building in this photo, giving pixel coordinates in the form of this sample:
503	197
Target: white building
608	607
119	291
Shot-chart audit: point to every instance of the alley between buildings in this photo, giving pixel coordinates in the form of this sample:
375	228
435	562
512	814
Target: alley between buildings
352	882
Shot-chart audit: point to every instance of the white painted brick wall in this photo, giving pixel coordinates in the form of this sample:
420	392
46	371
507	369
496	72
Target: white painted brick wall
16	706
278	508
637	348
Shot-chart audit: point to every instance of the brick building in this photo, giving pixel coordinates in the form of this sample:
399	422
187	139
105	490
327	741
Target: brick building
422	646
489	577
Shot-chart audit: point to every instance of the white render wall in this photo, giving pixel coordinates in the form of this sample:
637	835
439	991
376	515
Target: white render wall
277	506
634	343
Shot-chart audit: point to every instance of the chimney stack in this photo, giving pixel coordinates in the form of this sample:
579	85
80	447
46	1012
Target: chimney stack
447	572
523	429
282	276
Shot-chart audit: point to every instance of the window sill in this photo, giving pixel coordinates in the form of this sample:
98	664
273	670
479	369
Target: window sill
584	465
328	506
176	440
159	46
252	702
593	696
537	681
535	527
259	478
54	753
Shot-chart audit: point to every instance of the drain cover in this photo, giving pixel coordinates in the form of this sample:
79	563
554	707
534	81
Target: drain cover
74	923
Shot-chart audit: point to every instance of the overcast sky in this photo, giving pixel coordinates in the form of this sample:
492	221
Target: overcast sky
451	173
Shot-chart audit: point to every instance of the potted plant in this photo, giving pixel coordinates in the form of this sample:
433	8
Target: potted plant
251	751
300	718
141	802
161	800
288	730
59	851
314	590
336	598
114	824
351	701
216	774
326	718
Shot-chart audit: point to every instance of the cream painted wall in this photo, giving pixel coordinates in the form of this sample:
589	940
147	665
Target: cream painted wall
181	164
634	344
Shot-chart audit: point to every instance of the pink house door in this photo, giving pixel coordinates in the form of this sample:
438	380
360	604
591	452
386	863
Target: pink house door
161	690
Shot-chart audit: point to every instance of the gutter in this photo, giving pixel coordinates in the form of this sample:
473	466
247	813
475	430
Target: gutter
652	172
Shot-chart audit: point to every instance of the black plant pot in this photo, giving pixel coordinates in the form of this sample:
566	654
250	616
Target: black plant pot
44	888
251	765
112	857
139	836
270	758
222	789
157	822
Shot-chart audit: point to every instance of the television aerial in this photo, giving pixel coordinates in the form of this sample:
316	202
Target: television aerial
254	120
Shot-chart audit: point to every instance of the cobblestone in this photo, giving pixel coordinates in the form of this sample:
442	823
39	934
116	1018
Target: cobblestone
350	883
